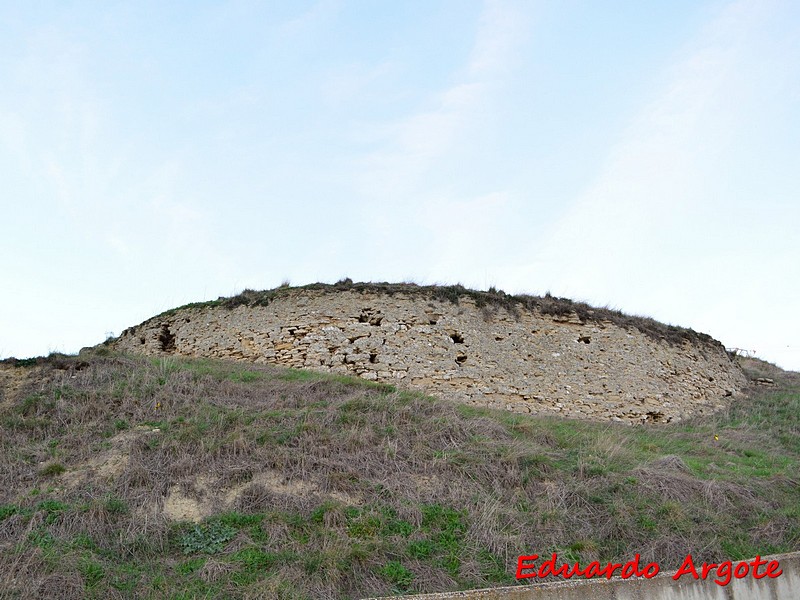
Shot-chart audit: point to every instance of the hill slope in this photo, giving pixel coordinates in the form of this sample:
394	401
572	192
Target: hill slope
168	477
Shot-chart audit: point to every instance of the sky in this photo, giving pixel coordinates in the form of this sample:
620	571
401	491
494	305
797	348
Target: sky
643	156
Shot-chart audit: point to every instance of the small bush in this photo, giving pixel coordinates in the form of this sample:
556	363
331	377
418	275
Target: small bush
52	469
421	549
116	506
190	566
208	538
399	575
92	572
41	538
7	510
53	508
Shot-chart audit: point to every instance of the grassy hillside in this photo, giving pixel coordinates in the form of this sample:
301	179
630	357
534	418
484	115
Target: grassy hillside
130	477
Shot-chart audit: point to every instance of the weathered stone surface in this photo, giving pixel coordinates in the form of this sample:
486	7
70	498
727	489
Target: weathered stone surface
519	360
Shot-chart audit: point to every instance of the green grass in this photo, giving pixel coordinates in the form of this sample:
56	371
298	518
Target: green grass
398	575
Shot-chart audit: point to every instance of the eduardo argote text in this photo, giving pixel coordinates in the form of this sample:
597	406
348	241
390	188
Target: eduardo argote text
528	567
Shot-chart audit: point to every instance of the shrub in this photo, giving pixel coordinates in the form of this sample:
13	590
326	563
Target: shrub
52	469
208	538
399	575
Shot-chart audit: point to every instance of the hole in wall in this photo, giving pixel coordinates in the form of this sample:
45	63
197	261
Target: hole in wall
142	340
368	315
585	339
166	339
654	417
457	338
461	359
373	357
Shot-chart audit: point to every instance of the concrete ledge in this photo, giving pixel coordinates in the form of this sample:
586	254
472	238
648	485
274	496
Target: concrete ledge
661	587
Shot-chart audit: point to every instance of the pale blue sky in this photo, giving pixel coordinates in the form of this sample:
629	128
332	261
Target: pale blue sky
641	155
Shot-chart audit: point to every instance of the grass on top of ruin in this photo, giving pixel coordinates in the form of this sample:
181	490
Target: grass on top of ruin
127	476
492	298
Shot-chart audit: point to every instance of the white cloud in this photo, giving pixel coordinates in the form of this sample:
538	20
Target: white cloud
396	175
346	83
503	25
413	145
305	24
653	187
14	136
466	234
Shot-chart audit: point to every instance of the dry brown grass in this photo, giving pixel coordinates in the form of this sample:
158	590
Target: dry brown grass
323	487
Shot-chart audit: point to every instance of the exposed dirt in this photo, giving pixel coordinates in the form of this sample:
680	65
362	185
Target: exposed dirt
109	464
12	382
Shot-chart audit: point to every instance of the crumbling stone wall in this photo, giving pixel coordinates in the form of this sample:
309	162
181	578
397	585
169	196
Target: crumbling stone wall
519	360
